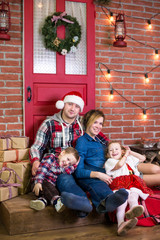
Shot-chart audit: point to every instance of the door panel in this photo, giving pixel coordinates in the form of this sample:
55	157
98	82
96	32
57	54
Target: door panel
47	88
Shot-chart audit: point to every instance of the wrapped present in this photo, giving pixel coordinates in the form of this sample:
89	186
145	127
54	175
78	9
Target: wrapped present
7	177
20	142
14	155
23	170
5	143
8	192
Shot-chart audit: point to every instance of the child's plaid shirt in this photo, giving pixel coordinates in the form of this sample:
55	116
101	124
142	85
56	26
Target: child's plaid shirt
49	169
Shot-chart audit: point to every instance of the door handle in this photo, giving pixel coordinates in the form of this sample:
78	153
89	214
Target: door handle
29	94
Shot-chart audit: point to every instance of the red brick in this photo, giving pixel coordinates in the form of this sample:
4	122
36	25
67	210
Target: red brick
14	126
8	119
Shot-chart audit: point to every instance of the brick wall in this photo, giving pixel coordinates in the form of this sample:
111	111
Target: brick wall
123	119
11	81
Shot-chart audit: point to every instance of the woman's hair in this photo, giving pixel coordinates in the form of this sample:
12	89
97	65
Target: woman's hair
91	116
73	151
107	155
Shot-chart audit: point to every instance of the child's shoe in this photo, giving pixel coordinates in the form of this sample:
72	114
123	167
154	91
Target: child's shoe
38	204
59	206
126	226
134	212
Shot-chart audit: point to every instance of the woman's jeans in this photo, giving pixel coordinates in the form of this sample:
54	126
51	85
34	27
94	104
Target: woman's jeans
98	189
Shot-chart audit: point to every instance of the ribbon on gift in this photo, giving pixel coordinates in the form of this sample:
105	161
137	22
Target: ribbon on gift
7	137
60	17
10	170
9	185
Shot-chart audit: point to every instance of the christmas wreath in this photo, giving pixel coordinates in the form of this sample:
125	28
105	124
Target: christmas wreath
72	33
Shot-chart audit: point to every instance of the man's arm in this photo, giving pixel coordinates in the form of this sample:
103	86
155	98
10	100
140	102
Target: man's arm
37	149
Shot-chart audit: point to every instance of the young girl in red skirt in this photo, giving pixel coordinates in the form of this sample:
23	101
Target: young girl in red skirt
122	166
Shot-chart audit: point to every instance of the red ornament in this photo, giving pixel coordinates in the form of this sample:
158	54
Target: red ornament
120	31
4	21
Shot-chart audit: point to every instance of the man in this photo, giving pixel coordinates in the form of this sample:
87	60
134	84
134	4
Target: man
55	134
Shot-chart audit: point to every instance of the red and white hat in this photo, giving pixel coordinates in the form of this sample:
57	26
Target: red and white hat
73	97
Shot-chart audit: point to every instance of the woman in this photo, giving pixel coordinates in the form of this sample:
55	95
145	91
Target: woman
90	172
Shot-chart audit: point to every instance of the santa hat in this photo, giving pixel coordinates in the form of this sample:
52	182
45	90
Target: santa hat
73	97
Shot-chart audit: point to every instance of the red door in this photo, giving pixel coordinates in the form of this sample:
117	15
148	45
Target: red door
42	86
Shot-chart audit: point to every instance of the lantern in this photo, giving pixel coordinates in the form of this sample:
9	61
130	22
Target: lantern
4	20
120	31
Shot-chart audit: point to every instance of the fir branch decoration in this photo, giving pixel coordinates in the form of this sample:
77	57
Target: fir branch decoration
102	2
72	33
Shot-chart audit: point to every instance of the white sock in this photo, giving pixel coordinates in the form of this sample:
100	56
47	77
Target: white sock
133	199
121	212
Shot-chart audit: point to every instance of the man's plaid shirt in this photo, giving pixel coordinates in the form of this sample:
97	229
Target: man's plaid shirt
53	136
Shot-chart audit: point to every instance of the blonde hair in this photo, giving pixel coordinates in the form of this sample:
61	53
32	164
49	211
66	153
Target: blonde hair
91	116
71	150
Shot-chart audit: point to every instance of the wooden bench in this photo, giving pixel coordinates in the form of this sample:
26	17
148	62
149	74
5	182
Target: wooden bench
19	218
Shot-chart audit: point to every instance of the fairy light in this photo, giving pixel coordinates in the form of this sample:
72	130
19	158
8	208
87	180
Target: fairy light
108	73
146	78
111	94
149	24
144	114
111	16
156	54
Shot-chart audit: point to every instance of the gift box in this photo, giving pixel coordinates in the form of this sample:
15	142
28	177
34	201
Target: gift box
14	155
20	142
8	192
7	176
23	170
5	143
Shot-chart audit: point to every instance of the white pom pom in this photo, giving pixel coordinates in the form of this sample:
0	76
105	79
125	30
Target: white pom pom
59	104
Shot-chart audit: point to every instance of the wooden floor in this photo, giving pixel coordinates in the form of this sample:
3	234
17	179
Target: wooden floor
92	232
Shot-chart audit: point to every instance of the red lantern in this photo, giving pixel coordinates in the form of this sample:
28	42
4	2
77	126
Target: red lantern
120	31
4	20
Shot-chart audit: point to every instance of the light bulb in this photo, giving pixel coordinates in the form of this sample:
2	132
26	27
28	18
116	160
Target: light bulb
144	114
149	25
108	73
146	78
111	17
156	54
111	94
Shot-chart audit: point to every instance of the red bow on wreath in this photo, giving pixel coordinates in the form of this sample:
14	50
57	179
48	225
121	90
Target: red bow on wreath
56	18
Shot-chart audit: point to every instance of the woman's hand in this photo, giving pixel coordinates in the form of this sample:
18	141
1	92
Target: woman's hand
102	176
37	188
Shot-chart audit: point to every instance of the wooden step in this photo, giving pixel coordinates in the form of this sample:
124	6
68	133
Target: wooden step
19	218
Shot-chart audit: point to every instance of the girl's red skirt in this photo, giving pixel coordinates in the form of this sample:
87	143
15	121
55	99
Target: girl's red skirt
129	181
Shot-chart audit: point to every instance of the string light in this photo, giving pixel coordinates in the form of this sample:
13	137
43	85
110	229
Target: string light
114	90
146	78
149	26
146	74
